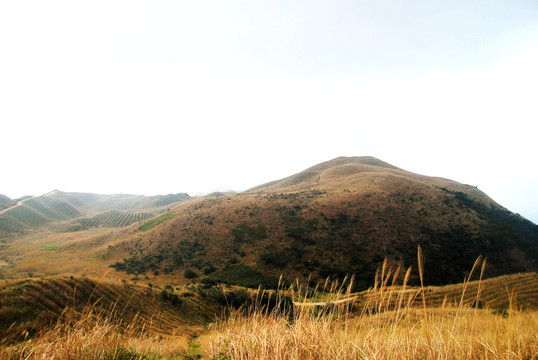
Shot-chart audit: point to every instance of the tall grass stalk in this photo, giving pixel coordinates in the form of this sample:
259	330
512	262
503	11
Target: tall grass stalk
383	325
93	335
389	321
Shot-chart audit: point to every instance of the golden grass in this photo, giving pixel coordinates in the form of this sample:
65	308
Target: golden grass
94	337
34	305
390	321
388	327
75	253
435	334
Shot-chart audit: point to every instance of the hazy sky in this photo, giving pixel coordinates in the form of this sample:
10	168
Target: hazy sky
153	97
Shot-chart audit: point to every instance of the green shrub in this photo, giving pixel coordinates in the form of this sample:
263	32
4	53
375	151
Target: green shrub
242	275
244	233
209	269
190	274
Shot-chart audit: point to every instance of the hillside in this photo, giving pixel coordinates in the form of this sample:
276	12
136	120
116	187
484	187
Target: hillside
337	218
5	202
33	304
4	199
318	175
79	211
82	318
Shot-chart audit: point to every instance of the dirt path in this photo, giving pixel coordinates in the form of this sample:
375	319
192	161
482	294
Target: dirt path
323	303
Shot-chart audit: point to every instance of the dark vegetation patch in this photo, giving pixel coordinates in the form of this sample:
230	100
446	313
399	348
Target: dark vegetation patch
246	233
165	257
167	294
241	275
507	240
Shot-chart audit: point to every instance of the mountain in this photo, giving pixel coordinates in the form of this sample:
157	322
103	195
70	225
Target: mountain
337	218
66	211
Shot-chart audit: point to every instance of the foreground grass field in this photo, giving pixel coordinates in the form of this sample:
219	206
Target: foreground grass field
417	334
94	337
390	321
387	326
433	334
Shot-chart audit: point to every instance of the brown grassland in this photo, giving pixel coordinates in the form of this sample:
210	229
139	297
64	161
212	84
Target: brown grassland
389	321
336	218
340	217
60	299
388	326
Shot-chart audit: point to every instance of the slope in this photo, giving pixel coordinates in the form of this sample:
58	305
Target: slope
337	218
78	211
5	202
30	305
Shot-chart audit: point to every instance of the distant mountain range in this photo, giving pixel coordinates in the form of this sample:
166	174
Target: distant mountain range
341	217
66	212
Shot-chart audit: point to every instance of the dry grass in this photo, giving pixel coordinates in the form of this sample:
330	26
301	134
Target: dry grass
35	304
435	334
385	324
388	327
92	336
75	253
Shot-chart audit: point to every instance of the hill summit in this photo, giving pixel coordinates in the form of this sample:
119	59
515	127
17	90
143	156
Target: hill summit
340	172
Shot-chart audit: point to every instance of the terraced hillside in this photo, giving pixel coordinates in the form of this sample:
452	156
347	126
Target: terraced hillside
79	211
519	291
108	219
6	202
107	329
338	218
30	305
496	293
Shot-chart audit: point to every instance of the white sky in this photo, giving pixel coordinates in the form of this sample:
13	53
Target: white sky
155	97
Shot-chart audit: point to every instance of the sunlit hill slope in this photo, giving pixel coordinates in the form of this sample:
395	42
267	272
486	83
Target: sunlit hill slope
337	218
30	305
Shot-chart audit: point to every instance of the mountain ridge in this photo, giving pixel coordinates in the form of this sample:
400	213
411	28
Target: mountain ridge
77	210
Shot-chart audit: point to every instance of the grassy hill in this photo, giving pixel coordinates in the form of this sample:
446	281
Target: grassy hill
79	211
334	219
185	268
30	305
5	202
